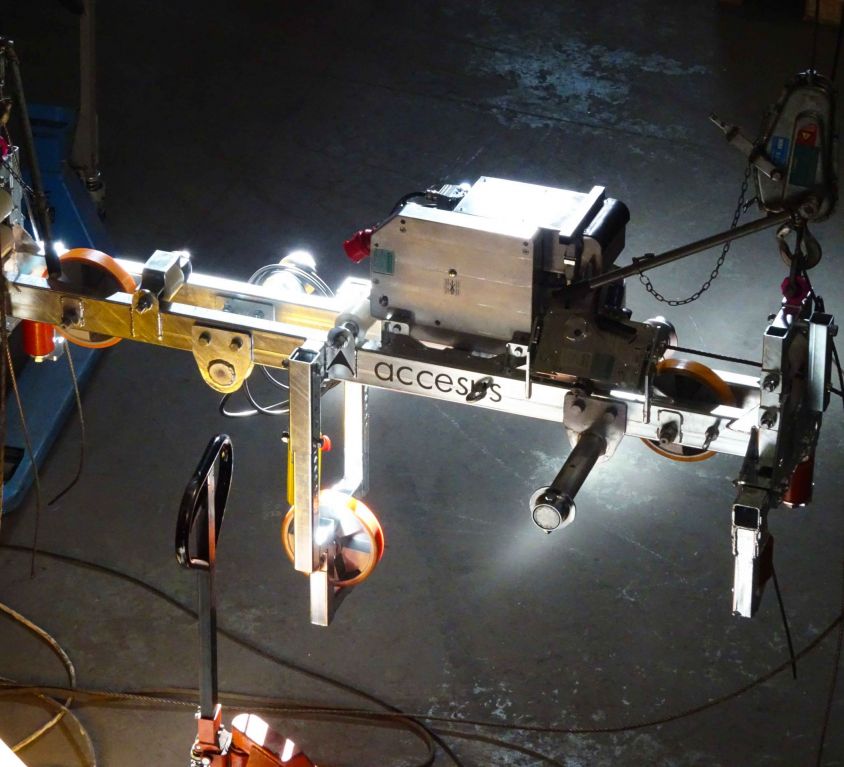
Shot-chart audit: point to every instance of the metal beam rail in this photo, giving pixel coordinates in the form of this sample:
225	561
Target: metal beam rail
240	324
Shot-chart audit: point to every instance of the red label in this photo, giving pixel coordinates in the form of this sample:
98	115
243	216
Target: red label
807	135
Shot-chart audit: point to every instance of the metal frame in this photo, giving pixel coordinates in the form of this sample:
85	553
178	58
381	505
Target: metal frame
323	340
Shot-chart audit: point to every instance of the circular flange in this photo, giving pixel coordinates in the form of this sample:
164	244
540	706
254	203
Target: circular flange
93	273
548	515
688	384
360	538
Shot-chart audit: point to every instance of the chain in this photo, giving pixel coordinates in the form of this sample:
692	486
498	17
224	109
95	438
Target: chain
740	206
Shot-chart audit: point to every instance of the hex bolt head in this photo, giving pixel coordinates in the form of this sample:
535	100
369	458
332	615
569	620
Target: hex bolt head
222	373
771	381
383	300
578	405
667	433
204	338
236	344
144	302
769	418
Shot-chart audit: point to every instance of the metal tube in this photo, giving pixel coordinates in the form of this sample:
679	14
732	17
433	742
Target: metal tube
589	448
553	507
207	604
646	263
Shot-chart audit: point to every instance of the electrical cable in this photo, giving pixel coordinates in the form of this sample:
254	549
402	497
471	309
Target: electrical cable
306	278
712	355
392	710
78	397
63	708
816	26
784	621
228	634
28	443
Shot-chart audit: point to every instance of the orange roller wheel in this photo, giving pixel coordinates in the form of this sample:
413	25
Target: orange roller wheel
95	274
693	385
360	540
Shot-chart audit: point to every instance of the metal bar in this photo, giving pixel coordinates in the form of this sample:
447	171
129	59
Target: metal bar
207	603
305	379
85	151
355	440
646	263
32	298
820	361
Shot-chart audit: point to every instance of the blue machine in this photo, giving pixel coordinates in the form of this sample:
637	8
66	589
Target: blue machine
46	388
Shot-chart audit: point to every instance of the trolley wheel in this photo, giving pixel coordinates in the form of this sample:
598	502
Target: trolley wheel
95	274
689	384
360	541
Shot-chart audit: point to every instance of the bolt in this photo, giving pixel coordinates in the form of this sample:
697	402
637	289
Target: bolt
383	300
222	373
712	433
578	406
667	433
204	338
144	302
69	317
769	418
452	272
397	328
285	437
610	414
236	344
771	381
259	314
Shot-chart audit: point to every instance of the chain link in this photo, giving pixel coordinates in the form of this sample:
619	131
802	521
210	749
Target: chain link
740	205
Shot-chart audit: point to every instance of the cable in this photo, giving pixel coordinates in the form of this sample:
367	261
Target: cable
28	443
306	278
68	714
63	708
815	35
228	634
785	621
392	710
80	412
723	357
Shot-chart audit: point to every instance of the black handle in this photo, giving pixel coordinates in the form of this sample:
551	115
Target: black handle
214	471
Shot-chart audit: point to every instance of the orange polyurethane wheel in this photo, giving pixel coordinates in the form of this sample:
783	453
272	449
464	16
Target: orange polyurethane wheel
692	384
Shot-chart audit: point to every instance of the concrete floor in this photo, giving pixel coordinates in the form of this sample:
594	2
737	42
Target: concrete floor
241	131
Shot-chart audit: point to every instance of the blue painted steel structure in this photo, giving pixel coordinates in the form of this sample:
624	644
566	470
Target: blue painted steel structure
46	388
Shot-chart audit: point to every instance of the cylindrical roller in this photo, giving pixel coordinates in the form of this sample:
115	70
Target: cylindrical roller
38	339
553	507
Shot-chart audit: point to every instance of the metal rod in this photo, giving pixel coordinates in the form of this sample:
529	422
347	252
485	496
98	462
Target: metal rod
54	268
207	606
646	263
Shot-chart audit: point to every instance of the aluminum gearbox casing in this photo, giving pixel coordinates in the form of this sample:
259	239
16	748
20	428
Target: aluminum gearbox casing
476	271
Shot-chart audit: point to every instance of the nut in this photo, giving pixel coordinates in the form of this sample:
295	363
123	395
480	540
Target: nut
222	373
